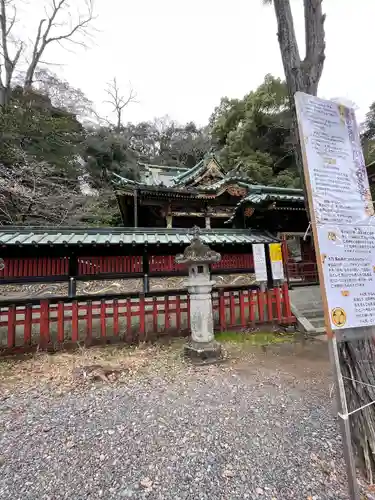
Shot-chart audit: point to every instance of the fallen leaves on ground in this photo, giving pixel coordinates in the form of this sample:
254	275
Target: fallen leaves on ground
56	369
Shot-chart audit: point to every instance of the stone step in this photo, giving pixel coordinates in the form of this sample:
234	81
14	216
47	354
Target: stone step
318	322
312	313
307	305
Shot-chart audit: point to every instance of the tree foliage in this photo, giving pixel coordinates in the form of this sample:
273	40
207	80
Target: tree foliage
55	169
368	135
39	147
108	151
254	132
32	126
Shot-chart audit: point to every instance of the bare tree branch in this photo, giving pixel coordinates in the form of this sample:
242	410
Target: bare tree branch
13	20
47	27
8	63
118	101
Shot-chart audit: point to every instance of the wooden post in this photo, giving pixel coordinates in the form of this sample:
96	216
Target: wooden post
146	271
135	208
73	271
270	283
344	422
284	249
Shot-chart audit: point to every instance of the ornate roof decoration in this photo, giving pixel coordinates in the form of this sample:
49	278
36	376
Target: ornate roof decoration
209	172
235	190
208	167
201	187
207	180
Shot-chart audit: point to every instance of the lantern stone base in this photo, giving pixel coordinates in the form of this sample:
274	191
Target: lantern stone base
203	352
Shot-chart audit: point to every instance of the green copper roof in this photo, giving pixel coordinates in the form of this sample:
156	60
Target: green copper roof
261	195
258	198
119	179
124	236
178	180
189	174
228	179
164	167
258	194
185	177
180	189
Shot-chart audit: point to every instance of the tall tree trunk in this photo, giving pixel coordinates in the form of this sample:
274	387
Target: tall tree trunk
118	125
3	96
357	358
29	78
295	71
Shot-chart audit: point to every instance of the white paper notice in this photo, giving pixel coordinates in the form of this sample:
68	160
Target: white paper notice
343	209
260	262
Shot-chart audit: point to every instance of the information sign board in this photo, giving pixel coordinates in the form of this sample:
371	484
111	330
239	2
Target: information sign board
276	257
341	209
260	262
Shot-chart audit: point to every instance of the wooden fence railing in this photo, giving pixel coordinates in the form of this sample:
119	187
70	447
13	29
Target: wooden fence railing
53	322
32	269
109	265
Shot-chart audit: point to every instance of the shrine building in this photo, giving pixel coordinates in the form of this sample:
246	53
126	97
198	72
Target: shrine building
158	212
208	197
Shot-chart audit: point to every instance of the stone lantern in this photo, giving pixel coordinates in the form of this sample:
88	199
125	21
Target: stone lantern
197	257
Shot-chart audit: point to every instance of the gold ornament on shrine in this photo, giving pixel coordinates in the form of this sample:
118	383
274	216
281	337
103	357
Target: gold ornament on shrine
237	191
249	211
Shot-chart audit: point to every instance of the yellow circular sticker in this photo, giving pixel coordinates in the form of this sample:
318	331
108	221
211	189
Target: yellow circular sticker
338	316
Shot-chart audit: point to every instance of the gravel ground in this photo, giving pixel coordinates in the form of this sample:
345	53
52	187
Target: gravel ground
260	426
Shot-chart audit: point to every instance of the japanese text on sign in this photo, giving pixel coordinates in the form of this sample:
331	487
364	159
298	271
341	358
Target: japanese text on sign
342	208
276	258
260	262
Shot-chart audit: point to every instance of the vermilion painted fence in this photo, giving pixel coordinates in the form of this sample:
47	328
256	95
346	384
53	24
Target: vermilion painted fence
35	267
235	261
54	321
159	263
16	268
110	264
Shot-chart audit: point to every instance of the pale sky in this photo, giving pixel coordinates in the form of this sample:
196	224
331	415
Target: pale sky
182	57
